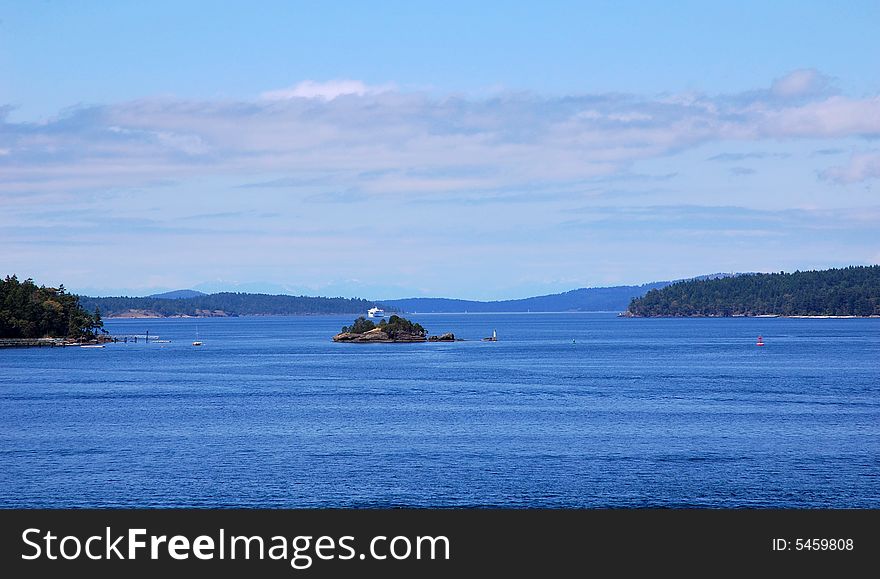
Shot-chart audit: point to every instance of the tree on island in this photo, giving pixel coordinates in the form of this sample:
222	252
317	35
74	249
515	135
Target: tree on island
29	311
360	326
397	325
394	327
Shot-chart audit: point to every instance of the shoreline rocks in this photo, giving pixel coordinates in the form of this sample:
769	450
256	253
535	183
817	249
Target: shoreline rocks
377	336
150	314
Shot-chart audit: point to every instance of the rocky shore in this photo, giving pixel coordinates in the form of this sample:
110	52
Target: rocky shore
132	314
394	330
377	336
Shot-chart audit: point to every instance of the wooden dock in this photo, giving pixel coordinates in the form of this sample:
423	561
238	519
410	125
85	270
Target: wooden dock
59	342
32	342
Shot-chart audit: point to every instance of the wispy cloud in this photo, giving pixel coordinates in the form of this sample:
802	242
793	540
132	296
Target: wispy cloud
801	83
861	167
386	142
733	157
676	219
329	90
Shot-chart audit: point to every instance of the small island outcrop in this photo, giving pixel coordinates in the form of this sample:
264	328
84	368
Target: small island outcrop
394	330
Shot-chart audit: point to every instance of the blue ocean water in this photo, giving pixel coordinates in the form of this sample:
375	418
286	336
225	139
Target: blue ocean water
565	410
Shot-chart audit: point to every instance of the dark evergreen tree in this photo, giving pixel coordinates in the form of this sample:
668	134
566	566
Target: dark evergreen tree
850	291
360	326
29	311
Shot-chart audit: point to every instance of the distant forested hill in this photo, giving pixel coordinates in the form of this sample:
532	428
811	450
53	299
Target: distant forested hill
178	294
188	303
614	299
231	304
851	291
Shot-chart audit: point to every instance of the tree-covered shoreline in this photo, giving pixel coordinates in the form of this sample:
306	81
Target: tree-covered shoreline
31	311
850	291
227	304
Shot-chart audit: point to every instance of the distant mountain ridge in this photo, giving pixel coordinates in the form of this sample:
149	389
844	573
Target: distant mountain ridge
596	299
178	294
193	303
579	300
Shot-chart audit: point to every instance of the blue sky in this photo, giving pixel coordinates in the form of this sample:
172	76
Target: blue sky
474	150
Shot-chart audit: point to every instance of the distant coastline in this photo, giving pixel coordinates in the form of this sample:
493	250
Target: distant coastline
147	314
154	316
833	317
762	316
852	292
189	303
135	315
223	305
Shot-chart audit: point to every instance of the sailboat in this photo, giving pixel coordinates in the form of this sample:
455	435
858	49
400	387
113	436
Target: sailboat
197	342
494	337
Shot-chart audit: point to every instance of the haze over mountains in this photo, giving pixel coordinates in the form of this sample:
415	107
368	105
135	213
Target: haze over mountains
596	299
189	302
178	294
579	300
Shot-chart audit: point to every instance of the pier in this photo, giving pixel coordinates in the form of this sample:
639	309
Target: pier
32	342
58	342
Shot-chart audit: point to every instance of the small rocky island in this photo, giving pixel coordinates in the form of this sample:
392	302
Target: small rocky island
394	330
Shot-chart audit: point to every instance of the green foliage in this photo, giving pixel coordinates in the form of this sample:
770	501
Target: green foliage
360	326
851	291
397	325
28	311
394	327
234	304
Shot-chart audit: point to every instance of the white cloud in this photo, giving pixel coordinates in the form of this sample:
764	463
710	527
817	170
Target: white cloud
832	117
383	142
329	90
802	82
861	167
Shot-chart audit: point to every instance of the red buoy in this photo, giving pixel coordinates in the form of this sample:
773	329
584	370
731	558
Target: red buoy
760	341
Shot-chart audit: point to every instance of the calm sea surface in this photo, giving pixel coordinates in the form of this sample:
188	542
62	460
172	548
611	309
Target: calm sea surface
565	410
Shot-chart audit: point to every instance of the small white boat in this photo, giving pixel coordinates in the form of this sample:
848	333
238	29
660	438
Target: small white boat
197	343
376	313
92	346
